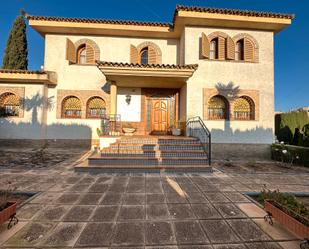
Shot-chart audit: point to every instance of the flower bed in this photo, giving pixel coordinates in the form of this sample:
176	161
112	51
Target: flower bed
7	212
290	154
296	223
287	210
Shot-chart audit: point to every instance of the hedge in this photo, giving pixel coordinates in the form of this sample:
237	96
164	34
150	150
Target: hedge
290	154
287	124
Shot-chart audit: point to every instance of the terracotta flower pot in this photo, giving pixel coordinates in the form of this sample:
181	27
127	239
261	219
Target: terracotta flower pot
284	217
8	212
128	131
176	132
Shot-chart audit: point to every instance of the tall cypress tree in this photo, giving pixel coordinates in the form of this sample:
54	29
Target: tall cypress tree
16	52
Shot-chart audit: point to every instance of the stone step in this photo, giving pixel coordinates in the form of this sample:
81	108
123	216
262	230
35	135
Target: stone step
99	160
156	138
161	154
154	147
142	168
143	151
159	142
150	153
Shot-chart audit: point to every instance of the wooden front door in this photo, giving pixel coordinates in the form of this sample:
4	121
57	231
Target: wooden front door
159	116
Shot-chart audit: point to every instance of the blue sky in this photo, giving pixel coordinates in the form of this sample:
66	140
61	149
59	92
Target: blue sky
291	45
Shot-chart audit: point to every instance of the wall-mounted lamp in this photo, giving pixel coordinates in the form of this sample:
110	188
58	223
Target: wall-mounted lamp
128	99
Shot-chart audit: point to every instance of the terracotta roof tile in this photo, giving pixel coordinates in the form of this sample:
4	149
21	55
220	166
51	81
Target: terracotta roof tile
232	12
132	65
22	71
93	20
165	24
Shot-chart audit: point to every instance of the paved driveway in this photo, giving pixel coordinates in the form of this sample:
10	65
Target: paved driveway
145	210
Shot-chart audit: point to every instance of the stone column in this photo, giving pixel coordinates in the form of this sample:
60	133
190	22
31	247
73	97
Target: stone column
113	103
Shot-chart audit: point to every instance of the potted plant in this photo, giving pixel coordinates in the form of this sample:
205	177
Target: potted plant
99	132
287	210
176	131
7	207
128	129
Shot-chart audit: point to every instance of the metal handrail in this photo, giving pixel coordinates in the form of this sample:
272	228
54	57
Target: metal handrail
111	124
195	127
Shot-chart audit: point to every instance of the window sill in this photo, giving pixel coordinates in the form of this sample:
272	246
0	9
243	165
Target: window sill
233	61
71	117
217	119
241	120
233	120
11	117
95	118
76	64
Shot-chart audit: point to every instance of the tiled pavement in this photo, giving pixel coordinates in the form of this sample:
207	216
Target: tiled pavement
145	210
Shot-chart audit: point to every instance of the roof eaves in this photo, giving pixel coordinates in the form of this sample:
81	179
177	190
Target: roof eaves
158	66
94	20
22	71
231	12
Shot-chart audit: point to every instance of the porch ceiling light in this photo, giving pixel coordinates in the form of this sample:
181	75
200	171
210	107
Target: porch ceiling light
128	99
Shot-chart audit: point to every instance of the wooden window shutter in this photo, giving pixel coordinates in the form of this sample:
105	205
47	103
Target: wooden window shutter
133	55
90	59
221	48
152	55
249	50
230	46
205	46
70	51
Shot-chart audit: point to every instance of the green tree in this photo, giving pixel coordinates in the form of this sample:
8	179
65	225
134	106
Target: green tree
16	52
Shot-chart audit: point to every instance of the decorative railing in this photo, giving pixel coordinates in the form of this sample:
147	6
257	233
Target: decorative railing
111	125
195	127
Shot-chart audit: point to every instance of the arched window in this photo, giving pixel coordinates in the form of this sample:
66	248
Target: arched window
244	108
81	54
213	51
239	50
144	56
71	107
247	48
9	105
218	108
96	107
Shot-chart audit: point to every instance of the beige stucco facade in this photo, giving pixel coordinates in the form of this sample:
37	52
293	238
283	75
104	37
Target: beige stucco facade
247	76
180	46
30	124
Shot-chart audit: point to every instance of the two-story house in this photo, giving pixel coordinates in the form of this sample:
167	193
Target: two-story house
217	64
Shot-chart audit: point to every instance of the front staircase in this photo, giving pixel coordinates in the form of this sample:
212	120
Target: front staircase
150	153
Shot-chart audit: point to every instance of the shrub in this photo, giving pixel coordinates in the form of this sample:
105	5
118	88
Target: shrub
305	130
290	154
285	135
304	141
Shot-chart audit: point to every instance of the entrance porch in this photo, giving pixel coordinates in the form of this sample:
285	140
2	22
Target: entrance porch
149	98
